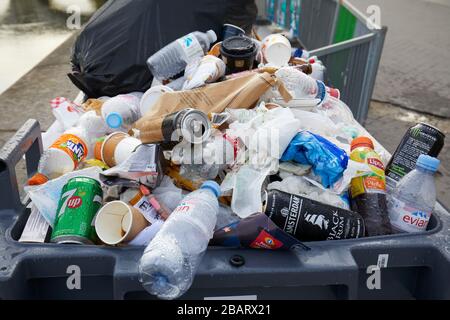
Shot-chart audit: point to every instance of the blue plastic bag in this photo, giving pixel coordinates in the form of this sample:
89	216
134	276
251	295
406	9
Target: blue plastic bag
328	161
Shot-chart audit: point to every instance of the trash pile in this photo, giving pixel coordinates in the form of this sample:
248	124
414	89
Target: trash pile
237	143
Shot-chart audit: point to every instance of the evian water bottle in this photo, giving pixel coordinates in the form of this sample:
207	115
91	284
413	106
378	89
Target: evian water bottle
173	58
412	202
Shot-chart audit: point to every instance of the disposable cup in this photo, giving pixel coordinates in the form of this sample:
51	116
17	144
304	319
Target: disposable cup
109	147
230	30
276	50
117	223
125	148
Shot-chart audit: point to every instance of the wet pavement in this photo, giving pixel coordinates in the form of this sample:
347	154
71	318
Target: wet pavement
414	70
30	30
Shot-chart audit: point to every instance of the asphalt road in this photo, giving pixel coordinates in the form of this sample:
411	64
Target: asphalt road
414	70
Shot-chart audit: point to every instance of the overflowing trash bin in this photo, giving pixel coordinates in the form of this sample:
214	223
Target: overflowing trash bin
232	170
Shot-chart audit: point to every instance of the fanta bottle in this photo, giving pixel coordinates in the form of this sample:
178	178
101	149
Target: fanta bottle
70	149
368	192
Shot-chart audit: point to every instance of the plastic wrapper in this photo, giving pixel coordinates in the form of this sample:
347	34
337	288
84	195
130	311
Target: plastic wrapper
206	70
247	191
141	167
328	161
46	197
168	194
302	187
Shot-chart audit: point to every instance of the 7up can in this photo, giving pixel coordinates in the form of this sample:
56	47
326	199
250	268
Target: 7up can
80	200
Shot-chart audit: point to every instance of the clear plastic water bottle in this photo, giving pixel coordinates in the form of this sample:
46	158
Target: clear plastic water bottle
173	58
122	111
411	204
301	85
169	263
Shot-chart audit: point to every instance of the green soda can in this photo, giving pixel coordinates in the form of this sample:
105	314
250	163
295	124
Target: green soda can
80	200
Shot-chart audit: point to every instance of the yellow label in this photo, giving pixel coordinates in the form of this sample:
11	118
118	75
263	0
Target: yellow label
374	182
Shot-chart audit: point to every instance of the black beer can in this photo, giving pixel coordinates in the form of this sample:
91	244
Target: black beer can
309	220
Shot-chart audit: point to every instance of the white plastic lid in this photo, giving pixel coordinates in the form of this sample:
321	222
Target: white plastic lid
151	97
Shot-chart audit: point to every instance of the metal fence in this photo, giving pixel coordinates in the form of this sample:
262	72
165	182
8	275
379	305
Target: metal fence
348	42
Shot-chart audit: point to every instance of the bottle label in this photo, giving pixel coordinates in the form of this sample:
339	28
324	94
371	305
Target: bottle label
72	146
375	181
321	90
191	47
185	206
407	218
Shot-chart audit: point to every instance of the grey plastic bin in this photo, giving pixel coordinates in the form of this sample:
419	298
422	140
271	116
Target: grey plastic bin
418	266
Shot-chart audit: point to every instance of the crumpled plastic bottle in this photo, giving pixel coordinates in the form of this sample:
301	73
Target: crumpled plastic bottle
168	265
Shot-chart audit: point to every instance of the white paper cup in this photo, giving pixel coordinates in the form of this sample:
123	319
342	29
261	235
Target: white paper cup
125	148
276	50
109	146
117	222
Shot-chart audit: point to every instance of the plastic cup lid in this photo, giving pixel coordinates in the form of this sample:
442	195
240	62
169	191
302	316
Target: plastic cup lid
151	96
114	120
238	45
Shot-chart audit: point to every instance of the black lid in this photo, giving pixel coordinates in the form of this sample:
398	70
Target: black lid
238	45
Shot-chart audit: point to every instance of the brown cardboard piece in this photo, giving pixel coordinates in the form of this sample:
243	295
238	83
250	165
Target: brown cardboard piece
243	92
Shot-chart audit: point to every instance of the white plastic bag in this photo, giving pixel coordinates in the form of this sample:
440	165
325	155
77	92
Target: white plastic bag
46	197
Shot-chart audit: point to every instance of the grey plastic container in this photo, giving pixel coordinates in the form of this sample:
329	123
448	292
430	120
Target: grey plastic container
417	265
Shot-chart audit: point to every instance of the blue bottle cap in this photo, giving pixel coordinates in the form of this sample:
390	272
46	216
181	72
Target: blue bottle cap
428	163
213	186
114	120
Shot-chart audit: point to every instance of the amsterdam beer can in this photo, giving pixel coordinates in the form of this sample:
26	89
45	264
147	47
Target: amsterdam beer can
80	200
309	220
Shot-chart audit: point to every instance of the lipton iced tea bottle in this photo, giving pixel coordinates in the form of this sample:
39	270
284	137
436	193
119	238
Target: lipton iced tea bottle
368	193
70	149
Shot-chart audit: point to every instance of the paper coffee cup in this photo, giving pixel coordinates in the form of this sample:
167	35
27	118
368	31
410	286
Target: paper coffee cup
117	147
117	222
109	147
125	147
276	50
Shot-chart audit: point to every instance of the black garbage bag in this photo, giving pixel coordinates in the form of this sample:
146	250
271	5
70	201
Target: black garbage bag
109	56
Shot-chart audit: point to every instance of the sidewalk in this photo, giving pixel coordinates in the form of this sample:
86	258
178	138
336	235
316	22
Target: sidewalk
30	97
414	70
